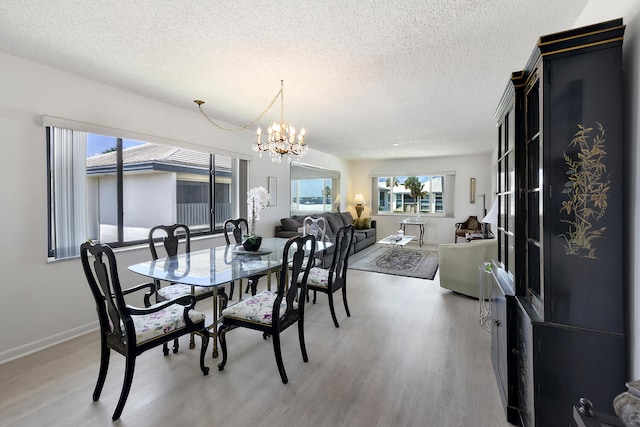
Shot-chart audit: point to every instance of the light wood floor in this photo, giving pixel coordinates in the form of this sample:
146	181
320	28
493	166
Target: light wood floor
411	354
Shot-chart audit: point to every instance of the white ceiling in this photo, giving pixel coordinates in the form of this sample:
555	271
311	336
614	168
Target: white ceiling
359	75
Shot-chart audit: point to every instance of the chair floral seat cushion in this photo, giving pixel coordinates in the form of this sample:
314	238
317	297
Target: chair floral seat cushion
154	325
317	277
178	290
258	308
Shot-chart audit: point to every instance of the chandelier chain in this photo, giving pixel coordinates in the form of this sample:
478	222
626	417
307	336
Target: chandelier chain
282	138
247	126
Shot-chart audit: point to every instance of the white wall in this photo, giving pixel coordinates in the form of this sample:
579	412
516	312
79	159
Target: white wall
438	229
629	10
45	302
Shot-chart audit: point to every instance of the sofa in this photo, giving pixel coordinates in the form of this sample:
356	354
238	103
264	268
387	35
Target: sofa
363	236
459	264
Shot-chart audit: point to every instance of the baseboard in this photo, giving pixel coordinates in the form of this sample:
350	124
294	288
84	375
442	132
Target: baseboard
24	350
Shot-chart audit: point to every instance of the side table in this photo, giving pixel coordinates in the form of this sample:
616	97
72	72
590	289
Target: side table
418	222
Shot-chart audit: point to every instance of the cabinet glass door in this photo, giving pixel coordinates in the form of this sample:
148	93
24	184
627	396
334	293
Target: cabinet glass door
533	201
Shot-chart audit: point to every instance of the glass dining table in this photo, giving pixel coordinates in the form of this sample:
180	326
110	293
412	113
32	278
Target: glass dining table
217	266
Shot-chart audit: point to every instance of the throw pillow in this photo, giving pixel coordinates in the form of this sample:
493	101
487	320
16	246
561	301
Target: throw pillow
362	223
347	218
290	224
335	222
473	224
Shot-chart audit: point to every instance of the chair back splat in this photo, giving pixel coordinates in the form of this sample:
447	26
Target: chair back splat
235	228
172	235
293	290
272	313
132	330
340	262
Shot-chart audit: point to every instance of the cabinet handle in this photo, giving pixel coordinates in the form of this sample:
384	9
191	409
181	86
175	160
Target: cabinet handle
497	322
585	407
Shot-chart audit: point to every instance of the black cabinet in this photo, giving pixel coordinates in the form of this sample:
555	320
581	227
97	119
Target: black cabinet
558	363
563	246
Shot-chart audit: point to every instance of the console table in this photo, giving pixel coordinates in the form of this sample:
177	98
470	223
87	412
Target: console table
418	222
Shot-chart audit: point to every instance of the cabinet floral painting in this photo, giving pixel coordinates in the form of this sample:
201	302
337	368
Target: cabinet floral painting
586	189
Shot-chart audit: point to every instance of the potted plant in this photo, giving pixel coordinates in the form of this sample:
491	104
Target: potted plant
257	200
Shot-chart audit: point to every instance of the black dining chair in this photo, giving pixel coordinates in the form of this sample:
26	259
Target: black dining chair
236	229
176	239
131	330
329	281
271	313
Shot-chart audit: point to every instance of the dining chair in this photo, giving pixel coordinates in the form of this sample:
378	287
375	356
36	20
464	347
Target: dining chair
330	280
271	313
316	227
236	228
131	330
176	239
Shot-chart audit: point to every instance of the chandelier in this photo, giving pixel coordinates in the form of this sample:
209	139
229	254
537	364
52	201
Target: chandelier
281	137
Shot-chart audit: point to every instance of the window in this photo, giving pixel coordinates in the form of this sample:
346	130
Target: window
113	190
313	190
403	194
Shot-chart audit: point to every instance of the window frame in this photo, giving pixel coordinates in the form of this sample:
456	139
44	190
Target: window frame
447	195
237	192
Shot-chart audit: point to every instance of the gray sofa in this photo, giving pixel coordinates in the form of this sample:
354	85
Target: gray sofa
363	236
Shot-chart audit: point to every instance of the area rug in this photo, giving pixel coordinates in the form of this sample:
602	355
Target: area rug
402	262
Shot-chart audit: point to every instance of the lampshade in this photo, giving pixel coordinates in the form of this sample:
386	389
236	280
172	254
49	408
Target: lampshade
492	216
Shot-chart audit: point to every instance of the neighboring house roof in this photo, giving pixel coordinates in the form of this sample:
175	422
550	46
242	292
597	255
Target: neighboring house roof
157	157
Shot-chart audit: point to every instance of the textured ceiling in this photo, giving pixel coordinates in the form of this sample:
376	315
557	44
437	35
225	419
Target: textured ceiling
360	76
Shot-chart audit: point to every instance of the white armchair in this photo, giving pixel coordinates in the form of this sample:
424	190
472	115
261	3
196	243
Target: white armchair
458	264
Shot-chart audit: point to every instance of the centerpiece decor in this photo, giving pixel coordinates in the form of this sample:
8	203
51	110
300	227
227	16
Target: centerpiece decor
257	199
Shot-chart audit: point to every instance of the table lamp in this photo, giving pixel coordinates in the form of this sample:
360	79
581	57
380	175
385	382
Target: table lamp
360	202
491	217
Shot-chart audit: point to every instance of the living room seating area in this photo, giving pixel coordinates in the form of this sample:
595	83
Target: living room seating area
363	237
